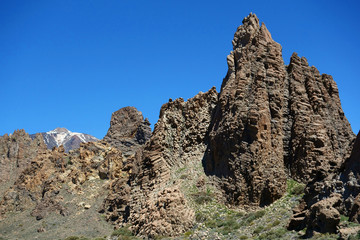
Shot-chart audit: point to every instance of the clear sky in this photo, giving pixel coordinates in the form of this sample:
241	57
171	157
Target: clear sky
71	63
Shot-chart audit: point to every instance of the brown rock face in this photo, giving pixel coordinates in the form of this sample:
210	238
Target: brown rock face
128	129
179	135
178	141
273	120
16	153
246	139
344	184
320	137
167	214
38	187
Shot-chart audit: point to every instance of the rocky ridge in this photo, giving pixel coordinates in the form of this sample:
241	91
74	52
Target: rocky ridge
237	148
62	136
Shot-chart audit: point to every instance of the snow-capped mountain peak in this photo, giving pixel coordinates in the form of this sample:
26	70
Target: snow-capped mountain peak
62	136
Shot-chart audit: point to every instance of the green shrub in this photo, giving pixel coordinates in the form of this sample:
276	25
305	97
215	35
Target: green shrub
123	231
295	188
258	229
72	238
183	176
201	217
273	234
344	218
188	234
275	223
203	197
76	238
250	217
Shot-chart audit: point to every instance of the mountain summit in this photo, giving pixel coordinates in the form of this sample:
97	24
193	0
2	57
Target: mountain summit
62	136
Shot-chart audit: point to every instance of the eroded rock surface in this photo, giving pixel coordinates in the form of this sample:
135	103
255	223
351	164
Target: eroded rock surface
128	129
273	121
270	122
16	153
178	141
325	200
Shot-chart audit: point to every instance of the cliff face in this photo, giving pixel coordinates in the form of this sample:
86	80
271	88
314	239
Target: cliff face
246	140
273	121
158	205
16	153
321	137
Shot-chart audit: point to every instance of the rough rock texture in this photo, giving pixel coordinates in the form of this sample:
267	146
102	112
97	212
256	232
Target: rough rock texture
128	129
38	186
273	120
178	140
166	215
16	153
269	122
342	186
320	138
179	135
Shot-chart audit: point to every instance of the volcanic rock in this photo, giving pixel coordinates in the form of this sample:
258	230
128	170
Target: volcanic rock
344	184
16	153
178	141
128	129
273	121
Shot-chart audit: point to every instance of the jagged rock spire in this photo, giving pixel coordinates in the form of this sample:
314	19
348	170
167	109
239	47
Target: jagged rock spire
272	121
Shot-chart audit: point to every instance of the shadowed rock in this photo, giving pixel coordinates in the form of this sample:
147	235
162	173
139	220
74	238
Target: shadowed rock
128	129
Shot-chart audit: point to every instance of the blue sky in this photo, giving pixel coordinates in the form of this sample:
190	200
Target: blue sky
72	63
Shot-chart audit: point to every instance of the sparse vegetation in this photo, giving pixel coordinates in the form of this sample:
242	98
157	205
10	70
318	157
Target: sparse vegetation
76	238
274	234
203	197
355	237
123	231
295	188
344	221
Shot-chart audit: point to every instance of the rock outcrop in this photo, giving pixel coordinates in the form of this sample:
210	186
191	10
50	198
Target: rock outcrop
16	153
38	186
178	141
324	201
273	121
320	137
270	122
128	129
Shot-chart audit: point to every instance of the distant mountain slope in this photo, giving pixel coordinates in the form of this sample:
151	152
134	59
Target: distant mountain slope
62	136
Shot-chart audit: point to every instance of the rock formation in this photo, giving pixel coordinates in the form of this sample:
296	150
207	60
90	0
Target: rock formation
16	153
178	140
270	122
324	201
128	129
273	120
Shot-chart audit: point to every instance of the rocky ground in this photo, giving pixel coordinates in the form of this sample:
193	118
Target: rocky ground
270	156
